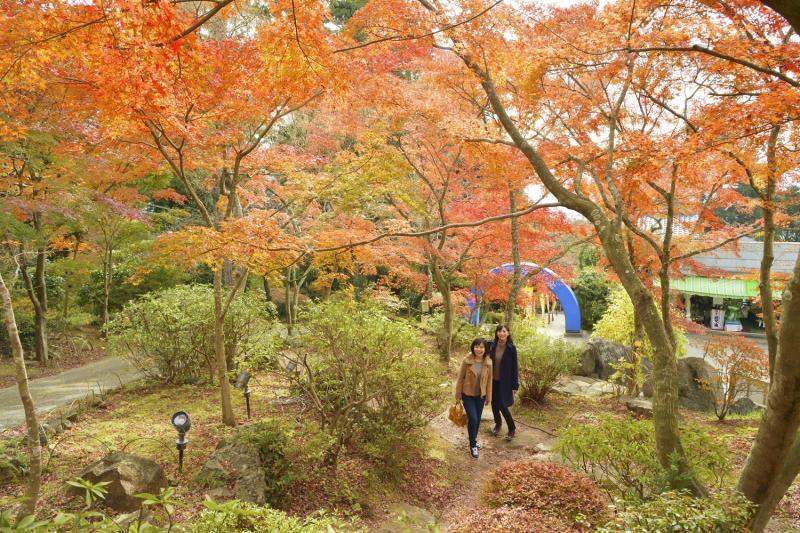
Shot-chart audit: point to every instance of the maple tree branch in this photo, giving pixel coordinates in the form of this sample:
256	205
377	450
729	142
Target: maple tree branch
440	229
202	20
729	240
708	51
489	141
397	38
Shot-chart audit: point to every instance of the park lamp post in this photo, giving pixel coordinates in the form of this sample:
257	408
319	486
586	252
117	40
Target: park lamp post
241	384
181	423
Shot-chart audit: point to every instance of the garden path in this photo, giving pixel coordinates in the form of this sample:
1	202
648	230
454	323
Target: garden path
495	451
59	390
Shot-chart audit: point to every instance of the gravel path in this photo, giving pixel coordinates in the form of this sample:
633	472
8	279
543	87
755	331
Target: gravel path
55	391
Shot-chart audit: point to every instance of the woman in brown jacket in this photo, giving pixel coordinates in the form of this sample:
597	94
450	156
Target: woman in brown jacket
474	389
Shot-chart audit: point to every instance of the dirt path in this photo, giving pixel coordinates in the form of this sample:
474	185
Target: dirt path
494	452
61	389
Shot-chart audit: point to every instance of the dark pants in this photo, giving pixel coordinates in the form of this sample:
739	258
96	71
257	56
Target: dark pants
473	406
498	408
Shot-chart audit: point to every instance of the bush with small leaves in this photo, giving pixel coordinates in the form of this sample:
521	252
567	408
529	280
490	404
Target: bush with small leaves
621	456
542	361
235	516
273	441
617	325
740	363
364	377
725	510
169	335
511	520
550	489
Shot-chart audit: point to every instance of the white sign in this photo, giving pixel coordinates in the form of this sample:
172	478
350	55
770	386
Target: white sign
717	319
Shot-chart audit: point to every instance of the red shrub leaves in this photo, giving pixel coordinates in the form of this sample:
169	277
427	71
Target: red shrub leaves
549	488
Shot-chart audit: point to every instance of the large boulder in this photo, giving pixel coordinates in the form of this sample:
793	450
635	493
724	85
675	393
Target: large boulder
234	471
695	379
598	356
127	475
745	406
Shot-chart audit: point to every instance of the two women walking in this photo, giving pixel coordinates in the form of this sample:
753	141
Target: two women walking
489	376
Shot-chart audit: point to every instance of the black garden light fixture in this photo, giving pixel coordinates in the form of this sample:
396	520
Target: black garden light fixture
241	384
181	423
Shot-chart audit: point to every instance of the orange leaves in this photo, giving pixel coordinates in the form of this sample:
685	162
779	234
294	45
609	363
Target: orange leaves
256	241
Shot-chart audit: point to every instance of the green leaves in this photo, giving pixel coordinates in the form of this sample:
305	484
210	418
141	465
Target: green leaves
92	491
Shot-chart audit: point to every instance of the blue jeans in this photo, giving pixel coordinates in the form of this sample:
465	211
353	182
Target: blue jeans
473	406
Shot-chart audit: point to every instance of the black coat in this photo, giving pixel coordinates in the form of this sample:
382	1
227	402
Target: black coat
509	374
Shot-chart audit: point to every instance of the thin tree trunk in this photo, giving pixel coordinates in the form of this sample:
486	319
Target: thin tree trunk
267	292
34	481
443	286
219	347
288	301
108	267
760	480
516	282
764	285
40	324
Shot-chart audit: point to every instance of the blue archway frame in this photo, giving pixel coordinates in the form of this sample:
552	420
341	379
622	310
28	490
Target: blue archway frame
562	291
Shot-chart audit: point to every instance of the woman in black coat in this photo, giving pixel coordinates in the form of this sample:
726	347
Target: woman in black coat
505	379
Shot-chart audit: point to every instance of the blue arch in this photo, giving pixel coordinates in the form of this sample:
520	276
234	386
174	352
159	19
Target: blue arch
562	291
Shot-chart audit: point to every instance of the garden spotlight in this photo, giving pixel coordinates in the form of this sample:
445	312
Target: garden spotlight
241	384
181	423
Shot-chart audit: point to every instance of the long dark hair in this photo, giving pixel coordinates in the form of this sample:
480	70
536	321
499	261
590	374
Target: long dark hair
479	340
509	340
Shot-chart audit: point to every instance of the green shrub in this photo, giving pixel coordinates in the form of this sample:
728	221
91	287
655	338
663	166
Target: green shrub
494	318
548	488
592	290
621	456
542	360
617	325
14	461
235	516
273	441
364	376
169	335
723	511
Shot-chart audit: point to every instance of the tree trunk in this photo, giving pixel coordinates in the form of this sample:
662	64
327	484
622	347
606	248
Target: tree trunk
288	301
443	286
40	320
778	488
219	348
665	366
267	292
34	481
760	480
108	267
516	282
764	285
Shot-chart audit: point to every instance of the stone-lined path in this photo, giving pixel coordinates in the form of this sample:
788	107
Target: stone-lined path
55	391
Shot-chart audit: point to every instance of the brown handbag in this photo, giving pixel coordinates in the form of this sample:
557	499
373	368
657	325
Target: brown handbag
457	415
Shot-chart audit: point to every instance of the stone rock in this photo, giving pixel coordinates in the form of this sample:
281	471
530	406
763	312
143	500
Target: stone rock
640	406
234	471
597	357
408	518
745	406
125	521
127	475
583	386
695	377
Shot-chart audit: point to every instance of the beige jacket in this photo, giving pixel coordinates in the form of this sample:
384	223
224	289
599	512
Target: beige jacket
467	378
